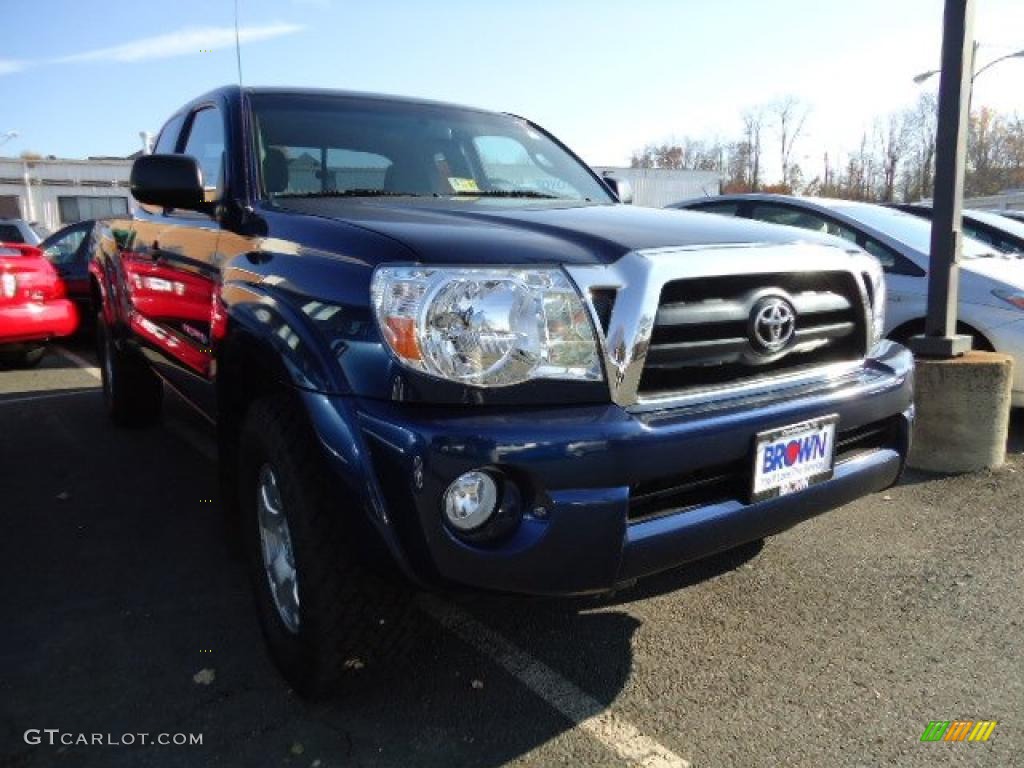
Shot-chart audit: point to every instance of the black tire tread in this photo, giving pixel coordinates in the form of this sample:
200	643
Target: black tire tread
349	615
136	397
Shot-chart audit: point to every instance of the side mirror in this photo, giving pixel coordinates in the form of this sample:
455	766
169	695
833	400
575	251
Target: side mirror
170	181
621	188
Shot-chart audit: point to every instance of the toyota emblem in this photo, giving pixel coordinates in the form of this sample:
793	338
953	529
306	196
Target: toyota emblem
772	324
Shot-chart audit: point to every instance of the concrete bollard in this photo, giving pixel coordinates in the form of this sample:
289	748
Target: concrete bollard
963	412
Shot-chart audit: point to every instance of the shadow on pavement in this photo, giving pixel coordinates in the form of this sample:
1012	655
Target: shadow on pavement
119	589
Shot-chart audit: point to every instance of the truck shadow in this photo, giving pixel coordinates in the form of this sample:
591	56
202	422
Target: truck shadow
122	589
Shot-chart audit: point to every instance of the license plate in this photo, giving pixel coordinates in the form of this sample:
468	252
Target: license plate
792	458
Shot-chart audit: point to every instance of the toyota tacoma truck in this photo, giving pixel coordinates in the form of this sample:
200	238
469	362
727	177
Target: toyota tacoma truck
434	343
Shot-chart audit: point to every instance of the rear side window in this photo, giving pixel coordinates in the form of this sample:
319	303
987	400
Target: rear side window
168	140
10	234
797	217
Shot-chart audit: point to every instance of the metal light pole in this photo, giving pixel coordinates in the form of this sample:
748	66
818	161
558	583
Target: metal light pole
940	338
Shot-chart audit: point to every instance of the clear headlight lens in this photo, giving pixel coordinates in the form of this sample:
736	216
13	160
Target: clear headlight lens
486	327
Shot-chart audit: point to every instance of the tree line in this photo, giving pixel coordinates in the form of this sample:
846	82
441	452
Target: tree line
894	160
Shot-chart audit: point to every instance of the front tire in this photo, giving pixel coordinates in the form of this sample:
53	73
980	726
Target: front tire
322	614
133	394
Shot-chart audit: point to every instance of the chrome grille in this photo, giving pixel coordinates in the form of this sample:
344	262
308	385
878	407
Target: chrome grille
703	331
669	319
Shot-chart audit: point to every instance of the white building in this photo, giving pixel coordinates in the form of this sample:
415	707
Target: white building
54	192
658	187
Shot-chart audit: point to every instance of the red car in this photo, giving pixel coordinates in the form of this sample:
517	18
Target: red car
33	305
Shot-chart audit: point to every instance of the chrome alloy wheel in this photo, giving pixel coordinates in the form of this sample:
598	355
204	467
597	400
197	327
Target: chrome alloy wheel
276	545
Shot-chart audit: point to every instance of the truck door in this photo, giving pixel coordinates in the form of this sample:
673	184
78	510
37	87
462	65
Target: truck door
173	274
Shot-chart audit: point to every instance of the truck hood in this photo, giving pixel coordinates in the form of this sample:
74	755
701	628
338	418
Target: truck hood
500	231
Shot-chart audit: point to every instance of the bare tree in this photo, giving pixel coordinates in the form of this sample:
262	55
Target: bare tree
920	123
892	142
790	115
753	122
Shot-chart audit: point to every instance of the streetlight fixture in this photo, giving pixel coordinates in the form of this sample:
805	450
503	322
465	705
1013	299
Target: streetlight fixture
926	75
1018	55
5	137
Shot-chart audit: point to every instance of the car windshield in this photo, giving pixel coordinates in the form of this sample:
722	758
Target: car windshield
908	229
313	145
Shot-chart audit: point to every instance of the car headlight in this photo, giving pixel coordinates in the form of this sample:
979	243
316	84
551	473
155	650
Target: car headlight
486	327
1016	298
875	282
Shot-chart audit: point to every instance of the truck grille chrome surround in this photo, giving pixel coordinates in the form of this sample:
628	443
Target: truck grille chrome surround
704	321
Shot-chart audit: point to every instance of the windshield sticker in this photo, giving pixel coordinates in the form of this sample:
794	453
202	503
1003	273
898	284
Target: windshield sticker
461	185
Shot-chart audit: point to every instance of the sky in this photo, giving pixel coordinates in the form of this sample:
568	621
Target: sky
80	79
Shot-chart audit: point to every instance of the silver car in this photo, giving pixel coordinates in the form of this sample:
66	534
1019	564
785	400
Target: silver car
991	304
20	231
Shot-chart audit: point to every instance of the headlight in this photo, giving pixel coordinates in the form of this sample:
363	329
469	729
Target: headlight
875	281
1010	297
486	327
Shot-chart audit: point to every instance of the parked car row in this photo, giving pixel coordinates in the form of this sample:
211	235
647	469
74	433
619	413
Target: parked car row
991	299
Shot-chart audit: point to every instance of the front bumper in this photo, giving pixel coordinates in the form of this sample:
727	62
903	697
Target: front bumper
37	321
582	464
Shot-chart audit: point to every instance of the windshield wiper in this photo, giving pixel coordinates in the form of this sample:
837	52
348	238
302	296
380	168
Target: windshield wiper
508	193
351	193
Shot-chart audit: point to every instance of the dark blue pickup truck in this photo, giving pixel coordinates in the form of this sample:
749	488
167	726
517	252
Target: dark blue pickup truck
434	342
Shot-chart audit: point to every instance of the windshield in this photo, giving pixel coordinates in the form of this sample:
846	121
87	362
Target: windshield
336	145
908	229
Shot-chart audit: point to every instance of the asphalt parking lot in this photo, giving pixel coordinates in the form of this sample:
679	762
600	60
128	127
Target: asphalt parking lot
833	645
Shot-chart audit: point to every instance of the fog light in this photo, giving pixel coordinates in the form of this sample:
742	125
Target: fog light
470	500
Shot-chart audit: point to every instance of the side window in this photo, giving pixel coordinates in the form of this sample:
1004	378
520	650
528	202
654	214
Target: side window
980	234
988	236
206	144
64	249
792	216
723	208
167	142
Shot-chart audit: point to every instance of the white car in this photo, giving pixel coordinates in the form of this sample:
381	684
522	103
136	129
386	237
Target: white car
991	301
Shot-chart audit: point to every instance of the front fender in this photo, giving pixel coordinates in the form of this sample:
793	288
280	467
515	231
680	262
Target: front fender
282	336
